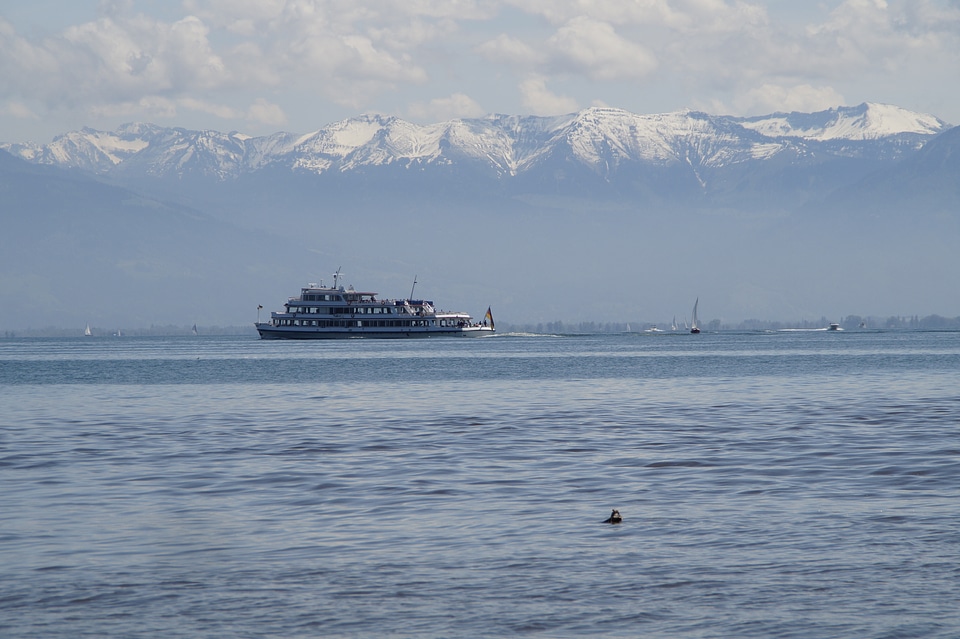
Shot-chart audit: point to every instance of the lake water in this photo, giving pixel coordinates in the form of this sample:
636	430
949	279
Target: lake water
787	484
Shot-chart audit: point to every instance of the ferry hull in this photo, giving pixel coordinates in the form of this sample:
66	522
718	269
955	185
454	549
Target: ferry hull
269	331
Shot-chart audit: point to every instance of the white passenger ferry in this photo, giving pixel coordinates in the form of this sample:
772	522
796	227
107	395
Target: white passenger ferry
322	312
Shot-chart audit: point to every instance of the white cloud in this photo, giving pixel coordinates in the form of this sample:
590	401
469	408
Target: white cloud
597	51
871	34
505	49
18	110
263	112
323	58
804	98
458	105
125	58
122	60
682	16
110	63
346	52
148	107
541	101
220	110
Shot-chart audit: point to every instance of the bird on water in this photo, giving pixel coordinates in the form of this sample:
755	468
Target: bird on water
614	518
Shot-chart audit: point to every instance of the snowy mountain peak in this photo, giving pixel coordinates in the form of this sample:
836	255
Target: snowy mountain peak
601	139
867	121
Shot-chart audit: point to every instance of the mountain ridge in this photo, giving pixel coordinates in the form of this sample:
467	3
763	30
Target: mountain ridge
600	139
636	213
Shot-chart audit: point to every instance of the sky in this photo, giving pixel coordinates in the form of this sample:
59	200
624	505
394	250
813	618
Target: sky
262	66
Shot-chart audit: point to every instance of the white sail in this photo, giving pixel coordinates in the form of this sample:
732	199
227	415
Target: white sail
695	322
87	331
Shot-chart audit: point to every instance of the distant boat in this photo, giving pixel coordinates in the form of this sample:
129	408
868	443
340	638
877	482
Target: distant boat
194	329
673	326
834	327
695	322
87	331
653	329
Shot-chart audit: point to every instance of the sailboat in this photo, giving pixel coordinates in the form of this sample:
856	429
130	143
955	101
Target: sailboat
87	332
673	326
194	329
695	322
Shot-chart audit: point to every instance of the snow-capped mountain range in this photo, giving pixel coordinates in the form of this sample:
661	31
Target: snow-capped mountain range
596	215
600	140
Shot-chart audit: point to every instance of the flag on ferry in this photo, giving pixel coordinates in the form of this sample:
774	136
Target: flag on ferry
488	318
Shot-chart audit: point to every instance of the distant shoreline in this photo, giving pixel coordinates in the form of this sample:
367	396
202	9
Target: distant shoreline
152	331
850	322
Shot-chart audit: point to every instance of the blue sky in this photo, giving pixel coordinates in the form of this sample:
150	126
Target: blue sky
261	66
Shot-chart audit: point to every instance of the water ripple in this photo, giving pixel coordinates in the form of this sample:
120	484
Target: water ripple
770	486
